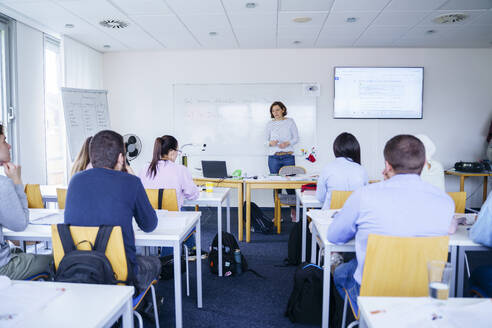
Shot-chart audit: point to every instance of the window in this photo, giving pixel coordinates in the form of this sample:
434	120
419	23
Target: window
56	145
6	99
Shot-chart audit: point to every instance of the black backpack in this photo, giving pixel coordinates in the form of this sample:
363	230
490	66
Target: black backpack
91	267
229	244
295	245
258	220
305	302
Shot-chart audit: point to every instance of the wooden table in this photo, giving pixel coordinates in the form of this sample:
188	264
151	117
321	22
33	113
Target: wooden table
267	183
464	175
229	183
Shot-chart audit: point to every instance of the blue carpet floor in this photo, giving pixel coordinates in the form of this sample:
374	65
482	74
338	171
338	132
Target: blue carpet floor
239	301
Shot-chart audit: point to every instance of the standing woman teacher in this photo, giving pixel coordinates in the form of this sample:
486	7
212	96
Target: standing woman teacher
282	136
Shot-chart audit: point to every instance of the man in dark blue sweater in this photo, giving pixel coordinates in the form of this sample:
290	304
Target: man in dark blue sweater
104	195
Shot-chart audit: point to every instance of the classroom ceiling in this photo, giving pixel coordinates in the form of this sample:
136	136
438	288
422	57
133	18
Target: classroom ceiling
263	24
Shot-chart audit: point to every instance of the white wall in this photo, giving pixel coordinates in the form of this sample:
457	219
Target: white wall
30	109
457	96
83	66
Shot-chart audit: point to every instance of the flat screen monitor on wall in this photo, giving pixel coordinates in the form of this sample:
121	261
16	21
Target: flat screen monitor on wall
378	92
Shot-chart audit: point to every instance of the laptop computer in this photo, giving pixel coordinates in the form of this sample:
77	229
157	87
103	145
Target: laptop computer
214	169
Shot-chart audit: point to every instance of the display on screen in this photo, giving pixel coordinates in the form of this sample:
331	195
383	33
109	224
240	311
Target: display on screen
378	92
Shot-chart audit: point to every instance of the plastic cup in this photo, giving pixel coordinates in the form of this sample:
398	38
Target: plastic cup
209	186
439	274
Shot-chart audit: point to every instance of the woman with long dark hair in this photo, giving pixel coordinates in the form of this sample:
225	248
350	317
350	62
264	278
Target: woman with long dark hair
164	173
344	173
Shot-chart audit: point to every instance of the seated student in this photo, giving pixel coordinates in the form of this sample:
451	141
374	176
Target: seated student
14	215
164	173
481	233
433	171
344	173
402	205
104	195
82	162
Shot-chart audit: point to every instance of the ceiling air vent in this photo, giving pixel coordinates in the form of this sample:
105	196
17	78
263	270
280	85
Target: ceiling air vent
450	18
113	23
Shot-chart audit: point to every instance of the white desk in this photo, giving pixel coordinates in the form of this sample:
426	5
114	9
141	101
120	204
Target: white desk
382	312
215	198
172	228
75	305
321	221
308	200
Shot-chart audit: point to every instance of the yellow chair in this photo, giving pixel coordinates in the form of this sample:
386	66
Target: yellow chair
338	198
285	199
34	197
397	266
83	237
61	195
169	199
459	198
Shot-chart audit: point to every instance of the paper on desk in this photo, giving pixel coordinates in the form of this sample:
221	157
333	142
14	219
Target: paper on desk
46	217
20	300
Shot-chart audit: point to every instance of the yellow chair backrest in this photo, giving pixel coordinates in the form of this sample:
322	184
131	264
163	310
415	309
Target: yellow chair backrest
169	199
61	195
34	197
115	250
338	198
459	199
397	266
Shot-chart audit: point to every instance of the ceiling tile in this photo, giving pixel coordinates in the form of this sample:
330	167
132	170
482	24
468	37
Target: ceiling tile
466	5
253	21
400	18
334	43
286	32
190	7
256	38
168	30
336	31
289	42
224	39
142	7
415	4
286	19
359	5
485	19
384	33
363	18
306	5
206	23
236	6
99	9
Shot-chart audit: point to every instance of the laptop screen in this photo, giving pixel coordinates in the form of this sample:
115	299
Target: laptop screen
214	169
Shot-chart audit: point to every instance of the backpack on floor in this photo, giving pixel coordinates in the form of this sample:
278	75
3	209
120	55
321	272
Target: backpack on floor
91	267
229	244
306	299
259	221
295	245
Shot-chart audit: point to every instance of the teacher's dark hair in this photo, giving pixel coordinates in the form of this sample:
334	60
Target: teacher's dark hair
405	153
162	146
279	104
104	149
346	145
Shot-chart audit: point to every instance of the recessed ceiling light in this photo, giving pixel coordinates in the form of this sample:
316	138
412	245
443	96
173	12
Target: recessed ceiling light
296	42
113	23
212	33
351	19
430	31
107	46
251	5
69	26
302	19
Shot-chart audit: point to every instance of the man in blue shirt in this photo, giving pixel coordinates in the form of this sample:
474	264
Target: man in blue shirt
104	195
402	205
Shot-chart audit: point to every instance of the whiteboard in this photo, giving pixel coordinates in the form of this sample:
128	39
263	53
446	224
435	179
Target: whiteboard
231	119
86	113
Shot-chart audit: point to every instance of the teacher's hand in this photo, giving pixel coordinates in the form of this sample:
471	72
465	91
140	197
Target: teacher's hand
273	143
284	145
